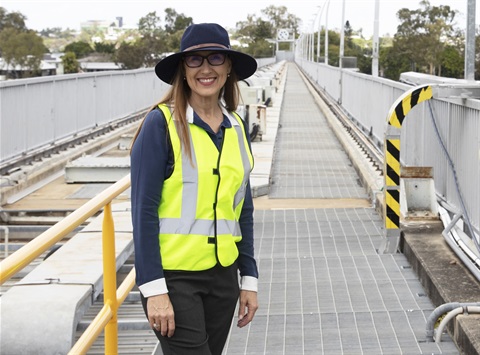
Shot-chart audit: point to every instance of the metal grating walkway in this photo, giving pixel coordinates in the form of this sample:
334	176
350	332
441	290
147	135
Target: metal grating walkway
309	161
323	288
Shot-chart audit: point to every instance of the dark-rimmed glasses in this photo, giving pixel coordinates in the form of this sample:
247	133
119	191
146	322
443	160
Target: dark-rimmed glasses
196	60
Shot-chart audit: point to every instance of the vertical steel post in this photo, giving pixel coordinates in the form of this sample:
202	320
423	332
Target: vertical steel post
470	42
375	43
342	37
110	279
326	33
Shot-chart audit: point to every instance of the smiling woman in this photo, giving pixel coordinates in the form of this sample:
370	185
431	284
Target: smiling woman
192	208
206	80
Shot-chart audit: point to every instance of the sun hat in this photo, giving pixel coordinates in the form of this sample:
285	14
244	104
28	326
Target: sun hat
206	37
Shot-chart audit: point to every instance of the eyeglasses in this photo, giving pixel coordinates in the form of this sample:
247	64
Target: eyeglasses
196	60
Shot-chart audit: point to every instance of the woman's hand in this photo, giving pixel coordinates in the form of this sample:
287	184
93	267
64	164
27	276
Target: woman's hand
160	314
247	307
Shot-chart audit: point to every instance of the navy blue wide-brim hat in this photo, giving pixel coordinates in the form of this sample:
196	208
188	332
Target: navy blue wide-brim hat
206	37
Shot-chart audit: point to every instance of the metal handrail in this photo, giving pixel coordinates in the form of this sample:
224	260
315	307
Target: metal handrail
103	317
107	317
25	255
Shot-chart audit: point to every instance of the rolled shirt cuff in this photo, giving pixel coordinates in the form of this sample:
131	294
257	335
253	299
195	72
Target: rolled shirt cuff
153	288
249	283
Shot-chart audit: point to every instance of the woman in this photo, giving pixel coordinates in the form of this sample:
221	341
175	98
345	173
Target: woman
192	208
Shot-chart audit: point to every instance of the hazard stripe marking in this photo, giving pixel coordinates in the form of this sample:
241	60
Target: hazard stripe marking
399	113
410	101
392	153
392	168
392	209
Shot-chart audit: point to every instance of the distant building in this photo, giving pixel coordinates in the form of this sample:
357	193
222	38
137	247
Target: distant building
55	59
103	24
16	72
95	23
52	65
89	67
109	31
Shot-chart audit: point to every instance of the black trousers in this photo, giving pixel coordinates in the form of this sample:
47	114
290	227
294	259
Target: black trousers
204	304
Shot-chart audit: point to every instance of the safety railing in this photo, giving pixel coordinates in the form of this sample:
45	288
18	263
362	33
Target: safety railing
113	298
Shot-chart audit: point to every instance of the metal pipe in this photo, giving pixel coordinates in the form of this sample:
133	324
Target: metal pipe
92	332
87	339
438	312
452	314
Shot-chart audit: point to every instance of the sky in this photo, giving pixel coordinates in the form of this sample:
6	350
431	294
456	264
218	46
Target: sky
42	14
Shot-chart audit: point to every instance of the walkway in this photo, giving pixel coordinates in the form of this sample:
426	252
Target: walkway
323	289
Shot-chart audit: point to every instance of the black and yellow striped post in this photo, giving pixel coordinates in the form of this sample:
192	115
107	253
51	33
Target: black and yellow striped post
396	116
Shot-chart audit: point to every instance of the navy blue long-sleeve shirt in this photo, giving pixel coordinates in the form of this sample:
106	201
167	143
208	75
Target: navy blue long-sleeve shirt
152	163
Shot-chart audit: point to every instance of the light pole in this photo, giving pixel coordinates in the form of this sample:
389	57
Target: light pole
312	42
342	37
320	29
326	33
375	43
470	42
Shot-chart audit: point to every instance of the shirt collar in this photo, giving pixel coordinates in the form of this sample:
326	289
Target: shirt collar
229	115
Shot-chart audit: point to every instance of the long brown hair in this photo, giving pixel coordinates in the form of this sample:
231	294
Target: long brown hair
177	98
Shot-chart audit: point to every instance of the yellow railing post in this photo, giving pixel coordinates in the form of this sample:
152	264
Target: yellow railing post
25	255
110	279
107	317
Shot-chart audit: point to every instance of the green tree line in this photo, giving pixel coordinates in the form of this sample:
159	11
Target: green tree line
427	41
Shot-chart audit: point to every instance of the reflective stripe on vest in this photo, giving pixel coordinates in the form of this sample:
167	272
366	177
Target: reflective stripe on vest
210	187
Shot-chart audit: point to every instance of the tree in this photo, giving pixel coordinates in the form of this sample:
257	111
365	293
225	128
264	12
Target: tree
279	17
173	41
348	30
393	62
259	32
70	63
22	49
14	20
452	63
153	38
333	48
104	47
149	24
55	39
175	22
80	48
130	55
256	31
423	33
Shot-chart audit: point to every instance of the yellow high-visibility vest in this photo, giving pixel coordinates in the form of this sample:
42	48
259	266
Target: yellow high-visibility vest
202	200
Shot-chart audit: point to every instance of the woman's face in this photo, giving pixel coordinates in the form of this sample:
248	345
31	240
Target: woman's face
206	72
